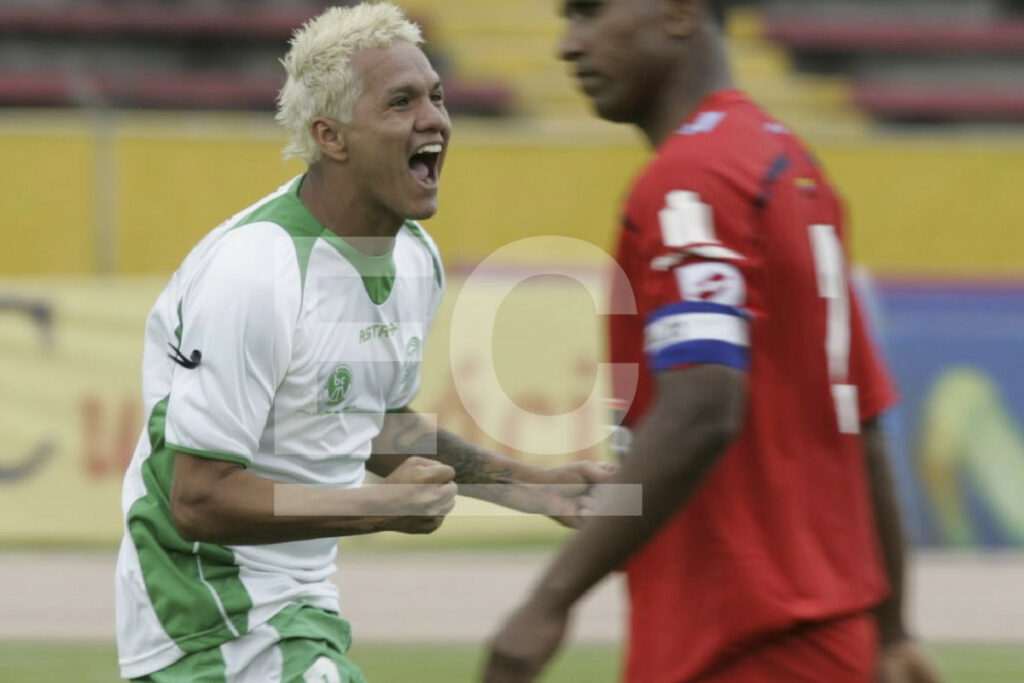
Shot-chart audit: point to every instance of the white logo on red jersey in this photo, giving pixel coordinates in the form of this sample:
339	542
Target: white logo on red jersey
719	283
687	225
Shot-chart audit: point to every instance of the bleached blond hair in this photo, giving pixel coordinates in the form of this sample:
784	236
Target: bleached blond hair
321	80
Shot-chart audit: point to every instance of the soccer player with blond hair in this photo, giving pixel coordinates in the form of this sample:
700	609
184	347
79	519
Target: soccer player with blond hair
279	364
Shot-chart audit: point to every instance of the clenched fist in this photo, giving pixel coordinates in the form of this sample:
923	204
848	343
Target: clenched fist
417	495
570	496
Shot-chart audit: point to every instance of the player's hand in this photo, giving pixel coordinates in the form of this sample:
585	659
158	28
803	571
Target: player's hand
525	644
572	499
419	493
905	662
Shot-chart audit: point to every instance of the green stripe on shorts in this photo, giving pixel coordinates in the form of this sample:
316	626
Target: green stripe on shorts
205	666
313	644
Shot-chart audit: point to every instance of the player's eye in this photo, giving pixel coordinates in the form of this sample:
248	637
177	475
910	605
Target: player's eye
582	9
437	97
400	102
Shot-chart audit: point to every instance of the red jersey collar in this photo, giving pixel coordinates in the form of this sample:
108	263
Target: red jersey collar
719	99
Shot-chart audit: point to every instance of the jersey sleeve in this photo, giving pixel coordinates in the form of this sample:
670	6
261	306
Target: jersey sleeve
240	312
700	292
876	390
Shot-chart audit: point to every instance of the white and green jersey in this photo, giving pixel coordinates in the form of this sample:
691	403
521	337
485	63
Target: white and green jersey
304	344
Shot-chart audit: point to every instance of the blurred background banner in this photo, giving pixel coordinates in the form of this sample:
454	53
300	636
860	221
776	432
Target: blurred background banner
70	411
128	130
959	430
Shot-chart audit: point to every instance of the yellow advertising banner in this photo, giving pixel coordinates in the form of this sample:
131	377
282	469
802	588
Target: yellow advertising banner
70	406
511	363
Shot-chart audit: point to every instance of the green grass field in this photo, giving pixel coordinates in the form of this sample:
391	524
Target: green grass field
94	663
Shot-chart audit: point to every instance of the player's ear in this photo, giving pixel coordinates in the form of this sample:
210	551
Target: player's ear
329	136
681	18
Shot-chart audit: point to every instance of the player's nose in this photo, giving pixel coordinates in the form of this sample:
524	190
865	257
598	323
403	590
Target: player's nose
570	46
433	117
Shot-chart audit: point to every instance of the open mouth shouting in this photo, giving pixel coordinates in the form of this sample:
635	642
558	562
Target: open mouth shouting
425	164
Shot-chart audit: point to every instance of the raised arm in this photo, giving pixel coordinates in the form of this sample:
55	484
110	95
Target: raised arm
484	474
696	413
214	501
901	660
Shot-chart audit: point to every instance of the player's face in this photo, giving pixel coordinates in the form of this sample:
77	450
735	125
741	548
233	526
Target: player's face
398	136
613	48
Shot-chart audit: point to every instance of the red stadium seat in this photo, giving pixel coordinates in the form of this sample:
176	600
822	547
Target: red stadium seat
907	67
922	102
185	37
181	90
172	22
894	36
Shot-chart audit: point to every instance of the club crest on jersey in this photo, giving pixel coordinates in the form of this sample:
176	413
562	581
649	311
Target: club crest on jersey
713	282
688	228
335	388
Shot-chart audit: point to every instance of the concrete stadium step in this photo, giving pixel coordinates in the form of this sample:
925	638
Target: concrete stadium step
516	43
446	18
499	55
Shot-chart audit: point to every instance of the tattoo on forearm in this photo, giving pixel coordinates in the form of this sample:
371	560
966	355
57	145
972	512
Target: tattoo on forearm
472	466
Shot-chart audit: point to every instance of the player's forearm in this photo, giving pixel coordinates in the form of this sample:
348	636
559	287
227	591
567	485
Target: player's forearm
240	508
889	614
672	453
479	473
407	433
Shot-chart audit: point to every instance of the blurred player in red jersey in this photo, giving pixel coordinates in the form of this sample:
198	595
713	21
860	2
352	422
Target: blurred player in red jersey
770	547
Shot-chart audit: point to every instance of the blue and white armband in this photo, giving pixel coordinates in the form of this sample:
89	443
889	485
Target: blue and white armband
695	332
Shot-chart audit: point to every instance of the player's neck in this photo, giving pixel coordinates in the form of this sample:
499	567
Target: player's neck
683	94
360	222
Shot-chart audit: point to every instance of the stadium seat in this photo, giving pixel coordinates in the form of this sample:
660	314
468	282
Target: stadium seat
842	36
929	103
923	61
180	57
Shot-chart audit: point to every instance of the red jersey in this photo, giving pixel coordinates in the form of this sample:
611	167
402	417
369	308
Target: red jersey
732	243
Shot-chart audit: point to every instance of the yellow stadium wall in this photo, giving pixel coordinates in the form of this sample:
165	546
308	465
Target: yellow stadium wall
47	202
132	195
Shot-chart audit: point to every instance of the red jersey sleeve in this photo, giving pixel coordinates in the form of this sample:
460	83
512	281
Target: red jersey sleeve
700	289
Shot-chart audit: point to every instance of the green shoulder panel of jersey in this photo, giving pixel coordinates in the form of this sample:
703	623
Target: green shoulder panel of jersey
415	229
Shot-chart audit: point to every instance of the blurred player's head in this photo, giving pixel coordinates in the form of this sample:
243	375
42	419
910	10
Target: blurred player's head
362	98
639	61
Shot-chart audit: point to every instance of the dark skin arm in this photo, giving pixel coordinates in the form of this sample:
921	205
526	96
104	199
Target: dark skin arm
483	474
889	614
696	414
901	659
220	502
